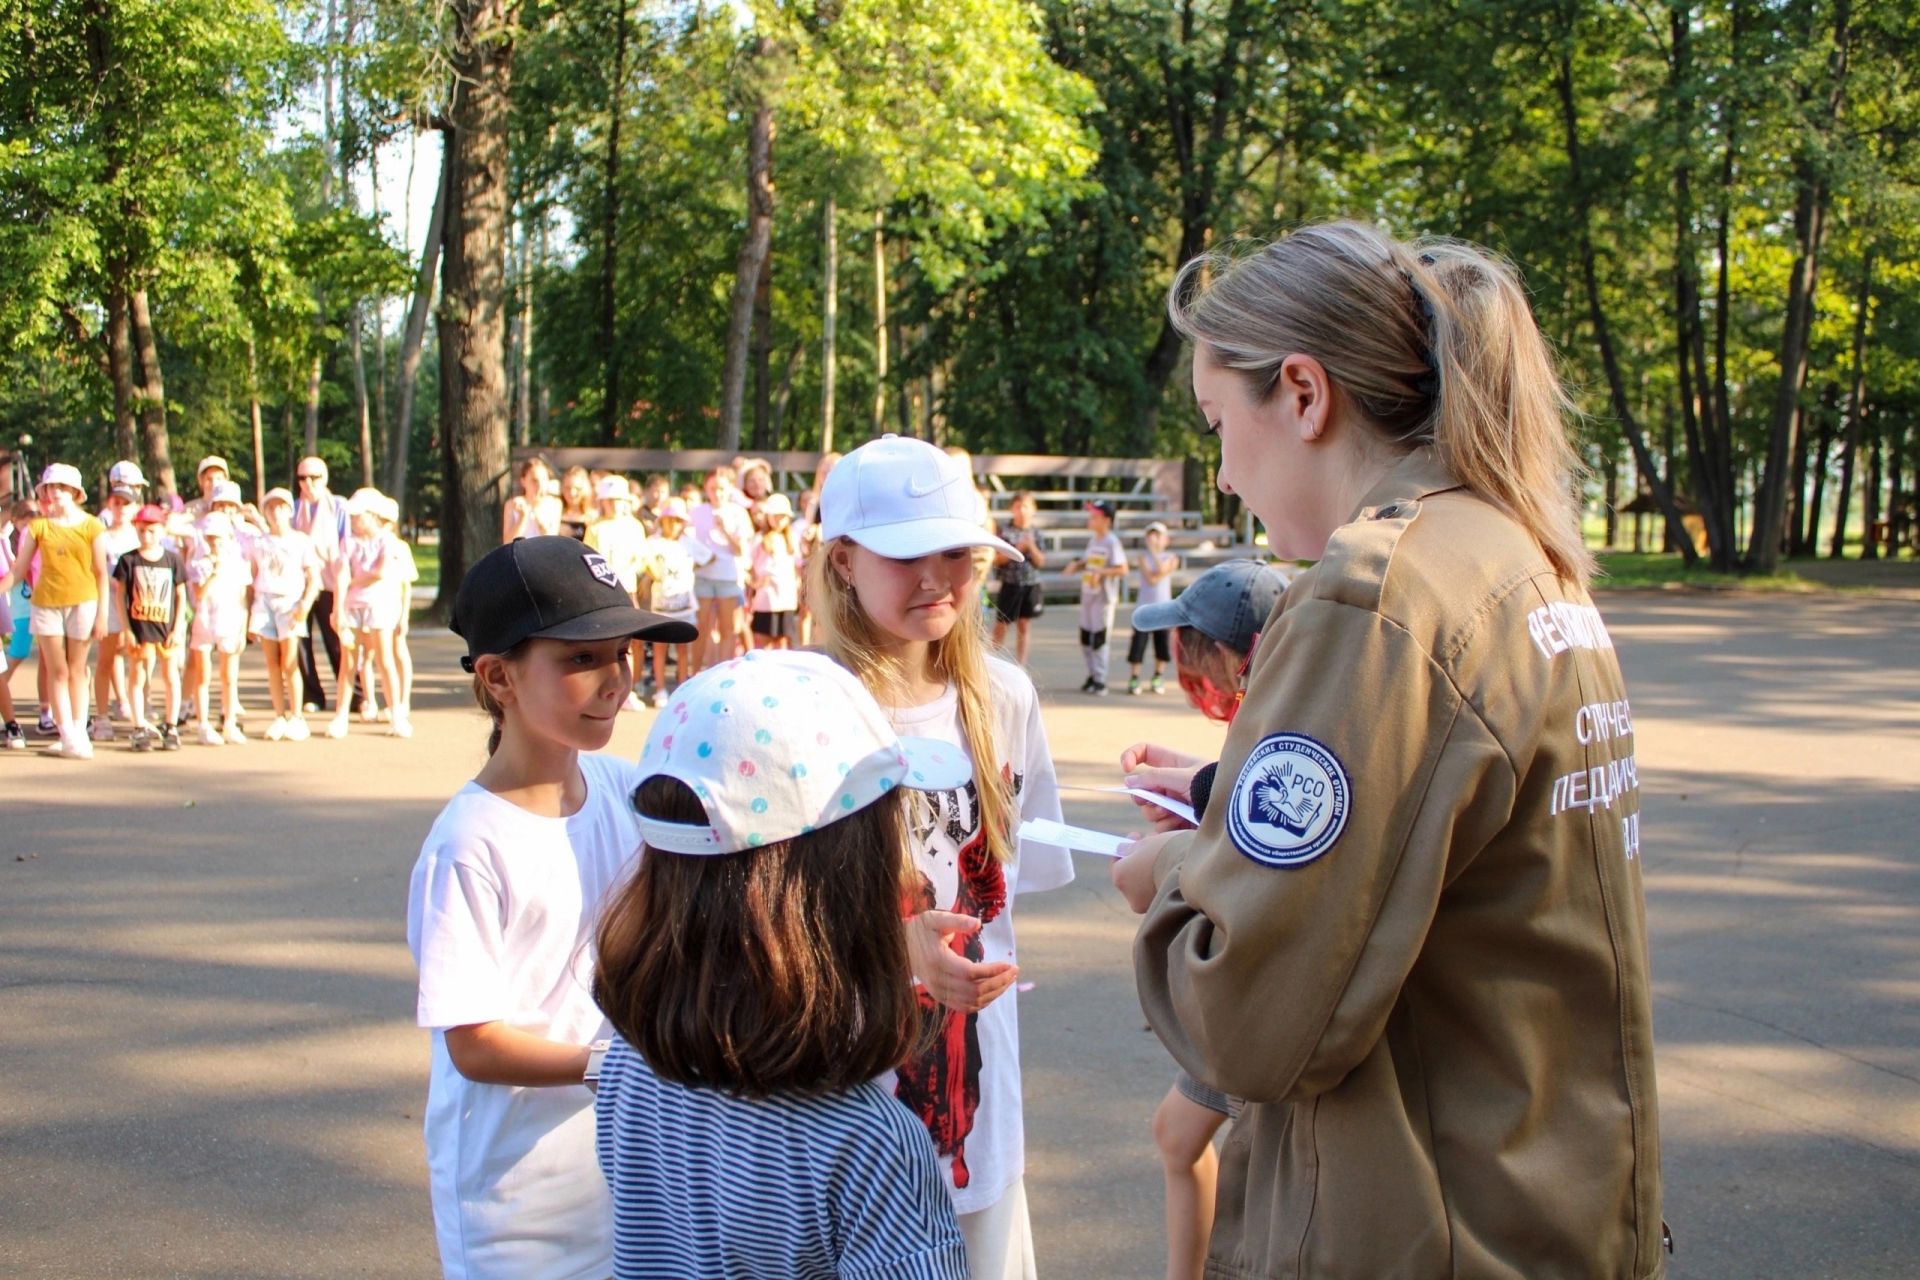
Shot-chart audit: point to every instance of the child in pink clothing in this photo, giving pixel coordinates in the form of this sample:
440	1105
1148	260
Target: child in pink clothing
220	581
775	577
369	597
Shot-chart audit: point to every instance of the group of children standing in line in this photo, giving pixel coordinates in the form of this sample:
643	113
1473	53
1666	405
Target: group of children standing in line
727	554
787	962
172	593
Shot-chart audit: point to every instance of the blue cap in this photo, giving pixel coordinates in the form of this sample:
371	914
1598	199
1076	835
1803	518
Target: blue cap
1229	603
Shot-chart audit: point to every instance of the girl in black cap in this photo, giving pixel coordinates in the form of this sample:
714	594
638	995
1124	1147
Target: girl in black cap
501	911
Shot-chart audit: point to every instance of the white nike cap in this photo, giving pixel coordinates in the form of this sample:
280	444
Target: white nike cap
903	499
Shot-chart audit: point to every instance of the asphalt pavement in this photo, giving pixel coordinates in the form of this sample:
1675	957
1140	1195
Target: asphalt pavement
209	1067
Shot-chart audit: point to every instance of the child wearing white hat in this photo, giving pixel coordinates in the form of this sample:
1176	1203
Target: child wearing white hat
894	595
369	598
218	581
66	616
286	582
756	969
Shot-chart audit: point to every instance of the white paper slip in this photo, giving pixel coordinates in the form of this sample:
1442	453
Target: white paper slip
1082	839
1178	808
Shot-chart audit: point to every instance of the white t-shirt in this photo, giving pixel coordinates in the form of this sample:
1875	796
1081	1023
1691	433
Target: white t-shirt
280	564
500	919
712	526
1154	592
974	1116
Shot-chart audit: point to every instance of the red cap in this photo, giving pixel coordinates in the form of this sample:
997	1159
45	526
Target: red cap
150	514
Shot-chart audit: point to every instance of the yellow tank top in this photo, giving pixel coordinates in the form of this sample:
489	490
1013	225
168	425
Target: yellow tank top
66	562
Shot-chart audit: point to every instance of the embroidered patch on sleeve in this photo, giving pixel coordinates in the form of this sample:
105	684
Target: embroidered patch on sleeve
1290	802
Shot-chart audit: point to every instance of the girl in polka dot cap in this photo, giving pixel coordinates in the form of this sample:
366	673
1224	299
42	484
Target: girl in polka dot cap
755	967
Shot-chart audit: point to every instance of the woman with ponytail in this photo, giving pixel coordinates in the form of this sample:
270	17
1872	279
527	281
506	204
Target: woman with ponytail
1409	929
895	598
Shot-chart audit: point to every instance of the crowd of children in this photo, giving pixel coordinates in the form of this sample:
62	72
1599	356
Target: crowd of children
152	602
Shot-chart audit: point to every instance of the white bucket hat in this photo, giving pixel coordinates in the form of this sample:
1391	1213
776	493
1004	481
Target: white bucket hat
778	744
227	491
65	474
127	474
613	489
903	499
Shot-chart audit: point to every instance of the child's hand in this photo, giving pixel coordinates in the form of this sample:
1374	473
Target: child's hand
949	977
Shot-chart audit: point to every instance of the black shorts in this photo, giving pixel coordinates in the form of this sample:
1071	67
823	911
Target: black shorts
781	625
1162	647
1016	602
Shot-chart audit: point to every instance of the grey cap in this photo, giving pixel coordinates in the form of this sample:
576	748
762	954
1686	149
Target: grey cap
1229	603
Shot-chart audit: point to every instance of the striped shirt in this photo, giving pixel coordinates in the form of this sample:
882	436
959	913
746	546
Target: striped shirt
721	1188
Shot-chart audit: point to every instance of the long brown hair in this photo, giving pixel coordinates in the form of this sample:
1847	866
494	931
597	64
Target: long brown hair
776	970
1432	342
845	631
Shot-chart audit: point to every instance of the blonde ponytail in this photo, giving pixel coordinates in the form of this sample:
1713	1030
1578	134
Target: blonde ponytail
851	639
1433	343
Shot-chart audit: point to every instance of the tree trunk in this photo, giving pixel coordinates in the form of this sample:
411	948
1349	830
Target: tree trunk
119	339
1870	494
151	396
400	438
312	436
829	321
361	408
879	321
523	395
473	414
1822	451
754	248
1809	224
783	397
1602	331
253	418
1856	404
762	356
613	400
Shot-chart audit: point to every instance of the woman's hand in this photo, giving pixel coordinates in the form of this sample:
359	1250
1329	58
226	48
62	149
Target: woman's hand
1152	767
1133	873
949	977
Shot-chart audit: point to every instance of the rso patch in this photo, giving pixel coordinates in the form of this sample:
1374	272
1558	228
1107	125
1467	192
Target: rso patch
1290	802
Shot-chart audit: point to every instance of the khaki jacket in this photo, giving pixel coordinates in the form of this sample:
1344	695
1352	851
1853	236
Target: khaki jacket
1410	928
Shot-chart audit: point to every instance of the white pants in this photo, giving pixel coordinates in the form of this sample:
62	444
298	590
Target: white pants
1000	1238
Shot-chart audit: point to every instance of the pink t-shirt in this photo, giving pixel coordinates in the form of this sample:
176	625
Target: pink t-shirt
364	556
776	579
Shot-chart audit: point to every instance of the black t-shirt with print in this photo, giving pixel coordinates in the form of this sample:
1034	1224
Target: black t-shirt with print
151	588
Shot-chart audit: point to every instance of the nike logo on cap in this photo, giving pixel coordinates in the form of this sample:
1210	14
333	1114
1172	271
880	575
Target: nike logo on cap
917	490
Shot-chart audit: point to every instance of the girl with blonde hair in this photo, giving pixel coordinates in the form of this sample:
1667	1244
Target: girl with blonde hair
1410	929
893	592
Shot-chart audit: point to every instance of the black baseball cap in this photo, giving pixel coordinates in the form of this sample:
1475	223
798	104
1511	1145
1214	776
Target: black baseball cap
550	588
1103	505
1229	603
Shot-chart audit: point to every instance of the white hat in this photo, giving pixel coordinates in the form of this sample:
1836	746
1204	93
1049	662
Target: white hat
367	500
778	744
903	499
212	460
227	491
776	504
65	474
1155	527
126	474
277	495
613	489
672	509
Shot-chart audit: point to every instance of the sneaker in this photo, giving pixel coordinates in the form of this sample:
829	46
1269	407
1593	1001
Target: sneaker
401	727
142	740
1099	690
45	727
1159	685
169	738
16	740
297	730
234	733
369	714
633	703
277	731
210	736
1133	686
337	727
1088	684
74	748
100	729
659	700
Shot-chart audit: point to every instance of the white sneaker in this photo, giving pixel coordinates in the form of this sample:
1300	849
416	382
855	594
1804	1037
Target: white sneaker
337	727
401	727
277	731
297	730
369	714
659	697
234	732
633	703
100	729
210	736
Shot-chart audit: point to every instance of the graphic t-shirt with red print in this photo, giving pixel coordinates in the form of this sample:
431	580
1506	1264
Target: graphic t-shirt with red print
966	1086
